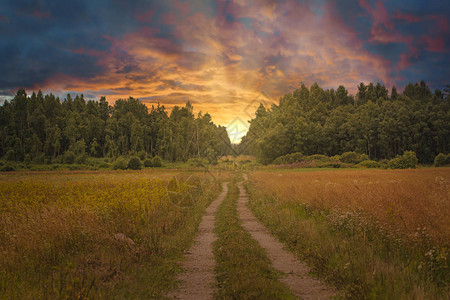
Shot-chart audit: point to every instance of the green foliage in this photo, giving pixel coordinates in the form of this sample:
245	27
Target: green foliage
336	158
69	157
142	155
289	158
7	168
368	164
197	162
120	164
134	163
407	161
441	160
353	157
329	122
318	157
44	128
157	162
148	163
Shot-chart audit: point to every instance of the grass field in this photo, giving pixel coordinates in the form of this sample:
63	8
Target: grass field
372	233
94	234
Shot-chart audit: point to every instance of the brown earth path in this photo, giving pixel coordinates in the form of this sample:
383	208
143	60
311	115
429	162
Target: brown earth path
198	281
295	273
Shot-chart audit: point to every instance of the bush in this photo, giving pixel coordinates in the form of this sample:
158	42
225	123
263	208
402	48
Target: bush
407	161
336	158
197	162
7	168
368	164
148	163
134	163
142	155
120	164
353	157
289	158
69	157
333	164
80	159
318	157
440	160
157	161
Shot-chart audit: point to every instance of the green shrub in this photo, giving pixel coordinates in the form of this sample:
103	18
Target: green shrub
440	160
142	155
157	161
197	162
353	157
10	155
134	163
120	164
447	160
148	163
75	167
69	157
332	164
364	157
336	158
7	168
368	164
407	161
80	159
318	157
289	158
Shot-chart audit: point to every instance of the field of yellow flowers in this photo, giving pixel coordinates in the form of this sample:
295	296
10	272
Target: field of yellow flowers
95	234
381	234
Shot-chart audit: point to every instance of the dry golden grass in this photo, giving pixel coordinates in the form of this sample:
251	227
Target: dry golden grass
98	234
412	202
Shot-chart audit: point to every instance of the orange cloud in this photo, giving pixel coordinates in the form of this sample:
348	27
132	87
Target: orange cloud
222	66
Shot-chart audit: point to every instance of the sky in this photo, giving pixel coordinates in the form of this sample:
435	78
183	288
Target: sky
224	56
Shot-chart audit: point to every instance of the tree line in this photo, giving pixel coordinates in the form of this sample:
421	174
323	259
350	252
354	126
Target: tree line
373	122
43	129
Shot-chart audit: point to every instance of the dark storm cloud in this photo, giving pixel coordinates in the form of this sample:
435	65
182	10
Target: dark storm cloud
219	51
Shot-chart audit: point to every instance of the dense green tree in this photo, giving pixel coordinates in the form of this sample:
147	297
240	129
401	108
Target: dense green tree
41	127
318	121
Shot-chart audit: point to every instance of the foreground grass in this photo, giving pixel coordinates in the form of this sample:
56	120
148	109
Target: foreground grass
347	239
98	235
243	269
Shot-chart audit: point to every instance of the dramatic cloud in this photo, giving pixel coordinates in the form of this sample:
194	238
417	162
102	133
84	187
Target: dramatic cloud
223	56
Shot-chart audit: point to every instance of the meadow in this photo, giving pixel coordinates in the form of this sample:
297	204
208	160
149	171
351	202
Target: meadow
95	234
380	234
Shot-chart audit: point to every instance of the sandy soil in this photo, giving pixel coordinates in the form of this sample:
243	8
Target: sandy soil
198	281
295	273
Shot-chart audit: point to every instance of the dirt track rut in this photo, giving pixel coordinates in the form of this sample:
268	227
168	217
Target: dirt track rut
295	273
198	280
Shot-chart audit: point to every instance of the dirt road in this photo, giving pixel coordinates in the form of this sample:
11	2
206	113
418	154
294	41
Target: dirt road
198	281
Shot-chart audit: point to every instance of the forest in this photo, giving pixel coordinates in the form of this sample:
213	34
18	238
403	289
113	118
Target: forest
43	129
374	122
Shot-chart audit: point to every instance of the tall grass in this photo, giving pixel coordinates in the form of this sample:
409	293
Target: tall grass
374	234
92	234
